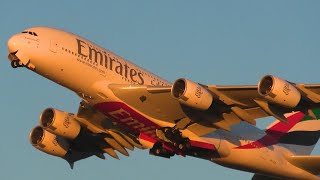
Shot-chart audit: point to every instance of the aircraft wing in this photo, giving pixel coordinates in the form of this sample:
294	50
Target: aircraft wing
185	105
255	105
230	104
78	136
157	102
118	139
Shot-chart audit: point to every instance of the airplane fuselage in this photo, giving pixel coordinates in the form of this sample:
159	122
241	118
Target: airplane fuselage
88	69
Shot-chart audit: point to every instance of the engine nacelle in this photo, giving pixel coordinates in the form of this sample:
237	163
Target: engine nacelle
48	142
279	91
60	123
191	94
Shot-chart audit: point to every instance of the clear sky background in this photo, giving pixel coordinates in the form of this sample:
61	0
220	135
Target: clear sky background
211	42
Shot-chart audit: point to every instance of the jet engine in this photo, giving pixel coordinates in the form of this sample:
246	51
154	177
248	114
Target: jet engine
60	123
279	91
48	142
191	94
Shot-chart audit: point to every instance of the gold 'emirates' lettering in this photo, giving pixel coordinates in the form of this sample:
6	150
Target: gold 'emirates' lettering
103	59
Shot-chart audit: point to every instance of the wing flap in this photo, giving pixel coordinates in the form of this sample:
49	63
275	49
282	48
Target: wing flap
121	140
308	163
115	145
111	152
313	96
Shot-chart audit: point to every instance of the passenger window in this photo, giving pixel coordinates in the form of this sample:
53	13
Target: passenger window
35	34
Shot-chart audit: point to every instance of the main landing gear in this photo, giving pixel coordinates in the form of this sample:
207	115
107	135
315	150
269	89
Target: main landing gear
159	150
16	63
173	142
175	136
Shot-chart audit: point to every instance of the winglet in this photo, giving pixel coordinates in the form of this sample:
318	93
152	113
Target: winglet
71	163
100	155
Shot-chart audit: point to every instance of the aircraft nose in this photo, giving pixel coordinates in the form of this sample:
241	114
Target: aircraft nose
13	43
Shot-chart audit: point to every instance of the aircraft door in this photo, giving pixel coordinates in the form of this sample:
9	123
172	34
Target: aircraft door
53	46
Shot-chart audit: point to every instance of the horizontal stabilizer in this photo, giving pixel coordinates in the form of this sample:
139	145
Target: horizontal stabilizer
308	163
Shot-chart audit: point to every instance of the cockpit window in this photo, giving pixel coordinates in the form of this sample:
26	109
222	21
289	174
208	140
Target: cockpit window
31	33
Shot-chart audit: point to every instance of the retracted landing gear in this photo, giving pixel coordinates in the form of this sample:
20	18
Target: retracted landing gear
16	63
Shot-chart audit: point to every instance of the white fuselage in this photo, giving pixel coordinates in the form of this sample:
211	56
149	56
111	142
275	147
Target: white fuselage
86	68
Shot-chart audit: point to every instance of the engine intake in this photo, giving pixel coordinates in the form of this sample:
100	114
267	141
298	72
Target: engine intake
191	94
60	123
48	142
279	91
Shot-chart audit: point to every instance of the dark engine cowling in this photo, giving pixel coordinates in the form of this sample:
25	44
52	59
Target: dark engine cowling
191	94
60	123
48	142
279	91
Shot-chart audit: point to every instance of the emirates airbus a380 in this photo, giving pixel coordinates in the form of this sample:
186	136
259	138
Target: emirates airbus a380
123	106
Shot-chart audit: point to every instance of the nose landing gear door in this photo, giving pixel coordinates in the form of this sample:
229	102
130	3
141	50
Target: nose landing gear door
53	46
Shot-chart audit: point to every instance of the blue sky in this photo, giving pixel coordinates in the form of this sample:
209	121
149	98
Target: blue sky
211	42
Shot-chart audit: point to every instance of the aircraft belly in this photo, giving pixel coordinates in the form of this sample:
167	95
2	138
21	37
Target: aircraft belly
262	162
145	127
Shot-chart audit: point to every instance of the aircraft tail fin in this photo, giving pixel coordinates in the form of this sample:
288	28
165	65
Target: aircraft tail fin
308	163
299	135
302	138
